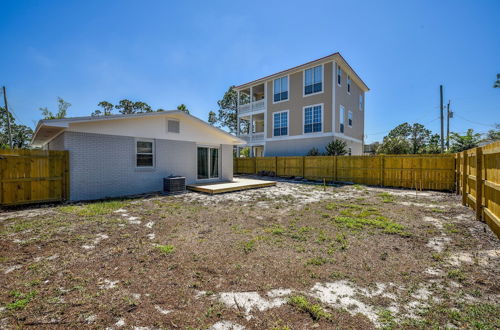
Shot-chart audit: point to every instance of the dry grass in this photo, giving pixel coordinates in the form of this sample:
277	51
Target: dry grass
169	261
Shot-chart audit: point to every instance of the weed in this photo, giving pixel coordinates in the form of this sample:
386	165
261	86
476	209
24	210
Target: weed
456	274
314	310
316	261
386	318
386	197
167	249
438	210
23	300
275	230
387	226
248	246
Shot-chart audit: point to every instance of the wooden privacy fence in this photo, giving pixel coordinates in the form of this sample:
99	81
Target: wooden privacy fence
435	172
33	176
478	181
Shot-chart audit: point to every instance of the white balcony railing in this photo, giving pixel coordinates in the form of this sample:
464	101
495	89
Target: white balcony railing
251	107
253	138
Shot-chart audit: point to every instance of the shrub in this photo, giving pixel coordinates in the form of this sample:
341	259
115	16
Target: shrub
314	152
336	148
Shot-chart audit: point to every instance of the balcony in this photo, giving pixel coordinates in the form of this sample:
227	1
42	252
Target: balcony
253	138
252	99
251	128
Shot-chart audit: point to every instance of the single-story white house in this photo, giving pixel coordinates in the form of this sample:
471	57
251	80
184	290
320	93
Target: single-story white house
120	155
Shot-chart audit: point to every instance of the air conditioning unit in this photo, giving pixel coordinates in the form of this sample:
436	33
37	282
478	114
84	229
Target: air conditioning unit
174	184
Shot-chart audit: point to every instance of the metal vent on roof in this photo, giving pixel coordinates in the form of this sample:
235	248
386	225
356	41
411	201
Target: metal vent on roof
173	126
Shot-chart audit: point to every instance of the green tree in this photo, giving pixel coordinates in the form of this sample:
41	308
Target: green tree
227	113
336	148
493	134
125	107
434	145
107	109
212	118
62	110
21	134
464	142
497	83
183	108
141	107
394	145
416	135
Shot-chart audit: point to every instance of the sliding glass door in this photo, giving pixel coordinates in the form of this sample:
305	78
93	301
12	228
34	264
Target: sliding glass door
208	163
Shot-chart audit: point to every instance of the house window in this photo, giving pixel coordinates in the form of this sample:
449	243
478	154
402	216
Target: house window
349	118
348	84
361	102
144	153
339	76
312	119
280	125
208	163
313	82
341	121
281	89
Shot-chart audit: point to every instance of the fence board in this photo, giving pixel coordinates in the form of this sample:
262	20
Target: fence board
33	176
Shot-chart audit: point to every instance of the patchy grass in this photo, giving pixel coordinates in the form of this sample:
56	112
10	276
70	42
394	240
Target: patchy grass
314	310
247	244
386	197
166	249
92	209
21	299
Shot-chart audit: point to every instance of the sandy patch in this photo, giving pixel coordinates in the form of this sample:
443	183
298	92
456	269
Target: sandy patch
107	284
12	268
161	310
226	325
249	301
438	243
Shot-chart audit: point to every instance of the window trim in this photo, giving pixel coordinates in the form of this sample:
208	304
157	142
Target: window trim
322	80
350	114
153	153
209	159
287	86
341	118
322	118
287	123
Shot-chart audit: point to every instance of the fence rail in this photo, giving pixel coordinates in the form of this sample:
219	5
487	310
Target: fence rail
33	176
436	172
475	174
478	181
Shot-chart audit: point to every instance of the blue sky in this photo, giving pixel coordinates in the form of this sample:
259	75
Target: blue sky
166	53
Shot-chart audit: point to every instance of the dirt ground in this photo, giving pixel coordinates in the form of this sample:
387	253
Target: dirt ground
294	256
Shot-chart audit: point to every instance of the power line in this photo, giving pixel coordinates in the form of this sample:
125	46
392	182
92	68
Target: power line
473	122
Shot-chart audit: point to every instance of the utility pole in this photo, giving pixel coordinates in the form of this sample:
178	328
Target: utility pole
448	113
442	117
8	116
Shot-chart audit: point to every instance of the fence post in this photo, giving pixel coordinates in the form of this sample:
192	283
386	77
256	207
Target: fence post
382	170
303	167
479	183
457	173
254	165
465	176
276	166
335	169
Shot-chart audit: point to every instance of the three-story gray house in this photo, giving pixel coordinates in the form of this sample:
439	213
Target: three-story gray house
290	112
